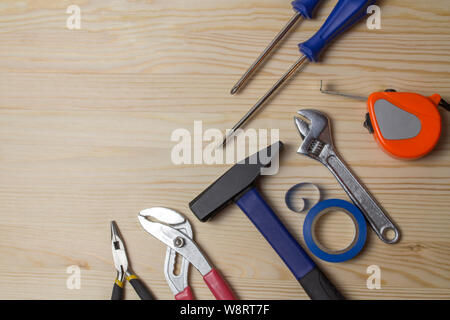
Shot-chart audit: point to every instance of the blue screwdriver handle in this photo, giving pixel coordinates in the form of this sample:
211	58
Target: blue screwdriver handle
305	7
313	281
344	15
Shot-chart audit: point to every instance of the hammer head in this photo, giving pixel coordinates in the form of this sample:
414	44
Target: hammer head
234	182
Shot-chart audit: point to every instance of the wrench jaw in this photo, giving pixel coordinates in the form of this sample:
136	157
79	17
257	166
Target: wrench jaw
314	128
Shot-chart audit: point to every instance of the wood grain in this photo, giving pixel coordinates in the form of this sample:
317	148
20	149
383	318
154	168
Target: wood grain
86	118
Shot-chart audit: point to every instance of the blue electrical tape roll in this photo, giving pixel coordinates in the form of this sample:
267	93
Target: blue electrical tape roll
322	208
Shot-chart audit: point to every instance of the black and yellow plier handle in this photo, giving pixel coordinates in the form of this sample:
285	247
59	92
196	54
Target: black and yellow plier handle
140	288
124	272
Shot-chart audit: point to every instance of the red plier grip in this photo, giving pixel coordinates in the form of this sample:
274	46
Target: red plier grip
186	294
218	286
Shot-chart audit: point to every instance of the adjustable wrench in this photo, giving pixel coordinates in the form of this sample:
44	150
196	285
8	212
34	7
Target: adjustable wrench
314	128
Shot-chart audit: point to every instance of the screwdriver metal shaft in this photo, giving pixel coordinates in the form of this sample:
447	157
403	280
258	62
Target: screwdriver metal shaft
345	14
292	22
300	62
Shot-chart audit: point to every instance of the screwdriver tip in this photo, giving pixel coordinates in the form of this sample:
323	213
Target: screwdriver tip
234	90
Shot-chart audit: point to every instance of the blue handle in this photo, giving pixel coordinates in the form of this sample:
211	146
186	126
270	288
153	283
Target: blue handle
344	15
265	220
305	7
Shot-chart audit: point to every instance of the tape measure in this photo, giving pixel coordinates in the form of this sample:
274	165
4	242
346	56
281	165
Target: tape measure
405	125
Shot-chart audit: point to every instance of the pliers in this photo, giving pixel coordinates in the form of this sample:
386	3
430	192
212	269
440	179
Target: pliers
124	272
175	231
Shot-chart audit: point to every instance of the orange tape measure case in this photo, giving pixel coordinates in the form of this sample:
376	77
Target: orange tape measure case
405	125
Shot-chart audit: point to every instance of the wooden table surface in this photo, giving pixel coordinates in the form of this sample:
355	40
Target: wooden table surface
86	118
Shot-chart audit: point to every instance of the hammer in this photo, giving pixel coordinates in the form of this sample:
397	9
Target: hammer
237	185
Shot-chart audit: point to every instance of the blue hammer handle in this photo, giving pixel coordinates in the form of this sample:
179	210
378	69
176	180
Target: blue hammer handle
313	281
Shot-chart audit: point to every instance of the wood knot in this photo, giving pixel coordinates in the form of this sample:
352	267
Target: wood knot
416	247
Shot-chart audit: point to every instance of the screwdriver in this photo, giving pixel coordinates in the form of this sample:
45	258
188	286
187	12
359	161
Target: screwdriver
304	9
345	14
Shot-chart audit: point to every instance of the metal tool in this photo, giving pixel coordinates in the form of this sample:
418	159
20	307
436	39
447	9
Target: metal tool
124	271
315	130
345	14
174	230
178	283
336	93
304	9
237	185
405	125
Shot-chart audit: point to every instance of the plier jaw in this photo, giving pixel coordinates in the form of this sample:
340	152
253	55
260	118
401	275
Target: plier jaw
118	252
175	232
124	272
163	224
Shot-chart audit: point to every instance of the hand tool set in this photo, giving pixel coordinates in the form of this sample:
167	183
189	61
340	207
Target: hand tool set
406	125
237	185
344	15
